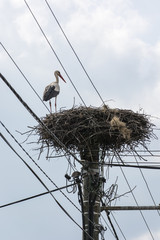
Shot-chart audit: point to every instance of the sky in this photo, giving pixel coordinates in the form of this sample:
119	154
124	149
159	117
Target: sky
118	42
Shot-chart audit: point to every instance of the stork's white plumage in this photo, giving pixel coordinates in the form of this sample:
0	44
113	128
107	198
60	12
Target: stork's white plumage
52	90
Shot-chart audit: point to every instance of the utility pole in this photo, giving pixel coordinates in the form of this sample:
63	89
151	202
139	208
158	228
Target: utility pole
92	182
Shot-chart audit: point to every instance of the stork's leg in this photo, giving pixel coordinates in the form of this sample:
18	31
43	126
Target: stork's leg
55	104
50	106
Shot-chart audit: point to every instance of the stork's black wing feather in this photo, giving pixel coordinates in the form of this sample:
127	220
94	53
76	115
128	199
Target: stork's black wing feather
49	92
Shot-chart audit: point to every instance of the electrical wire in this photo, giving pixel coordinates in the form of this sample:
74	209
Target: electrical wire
43	171
53	14
25	78
118	226
130	166
35	196
37	164
80	62
107	225
146	163
136	203
63	209
5	140
23	75
54	51
109	219
38	119
57	59
146	183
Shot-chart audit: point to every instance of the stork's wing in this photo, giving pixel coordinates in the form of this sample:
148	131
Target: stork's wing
48	92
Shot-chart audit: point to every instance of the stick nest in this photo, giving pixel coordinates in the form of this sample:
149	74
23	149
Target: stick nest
88	128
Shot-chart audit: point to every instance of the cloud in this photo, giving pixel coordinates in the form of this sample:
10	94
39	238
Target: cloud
16	3
28	30
147	236
151	99
109	25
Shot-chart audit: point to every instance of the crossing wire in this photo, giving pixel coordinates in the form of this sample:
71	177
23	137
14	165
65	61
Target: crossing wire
28	83
54	52
38	119
35	196
23	75
36	164
136	203
118	226
108	226
43	171
80	62
146	183
63	209
130	166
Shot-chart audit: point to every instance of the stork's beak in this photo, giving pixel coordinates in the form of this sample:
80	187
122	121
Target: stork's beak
62	78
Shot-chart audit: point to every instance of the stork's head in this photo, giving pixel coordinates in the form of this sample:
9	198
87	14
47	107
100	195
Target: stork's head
57	73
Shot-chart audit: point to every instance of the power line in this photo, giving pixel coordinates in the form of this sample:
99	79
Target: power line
62	30
39	180
61	66
38	119
107	225
118	226
131	166
137	203
145	155
28	83
5	140
147	186
40	122
63	209
109	219
35	196
54	52
23	75
43	171
37	165
146	162
146	167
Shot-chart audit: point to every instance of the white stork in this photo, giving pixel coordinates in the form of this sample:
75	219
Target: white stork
52	90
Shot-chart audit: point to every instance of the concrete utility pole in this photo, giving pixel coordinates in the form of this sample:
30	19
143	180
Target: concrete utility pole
92	182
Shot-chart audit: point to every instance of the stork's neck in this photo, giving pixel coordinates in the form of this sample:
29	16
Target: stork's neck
57	78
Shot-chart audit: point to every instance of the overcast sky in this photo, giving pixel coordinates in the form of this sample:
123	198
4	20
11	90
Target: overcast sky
118	42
